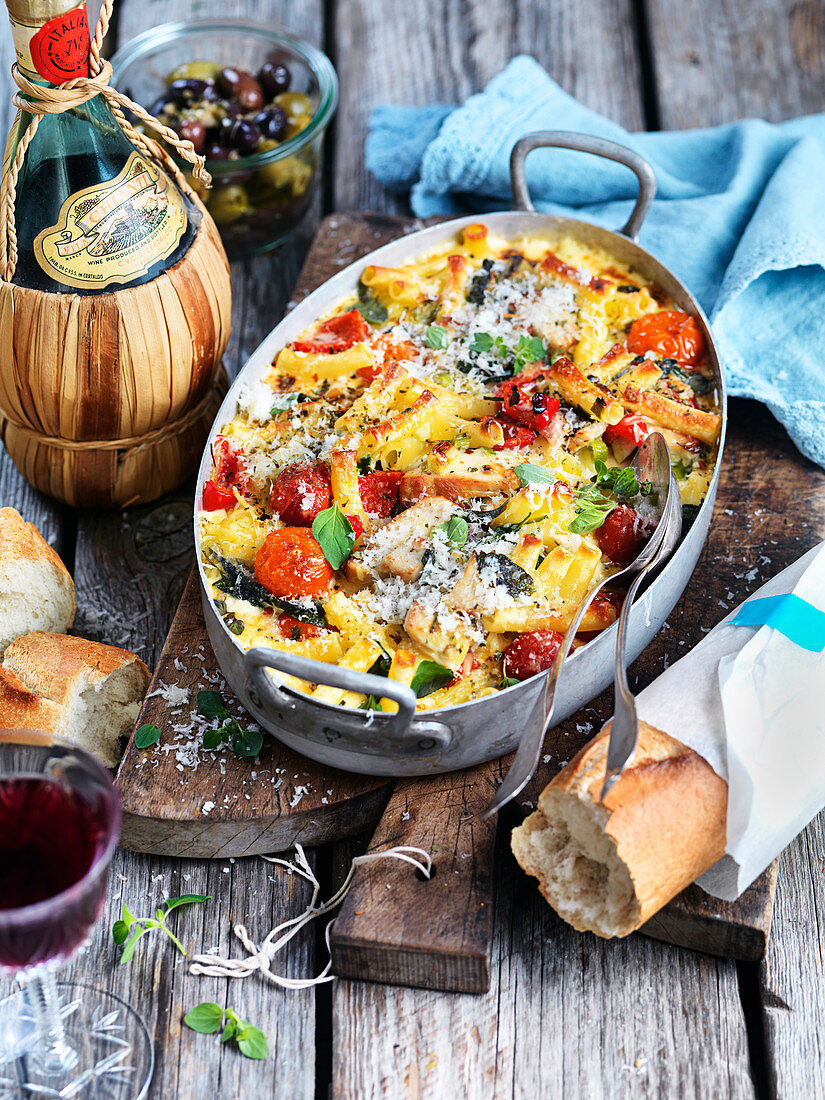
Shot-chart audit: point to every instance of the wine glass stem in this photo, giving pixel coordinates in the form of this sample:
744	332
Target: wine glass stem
54	1055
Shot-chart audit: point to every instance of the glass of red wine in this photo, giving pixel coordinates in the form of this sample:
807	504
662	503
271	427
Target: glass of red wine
59	827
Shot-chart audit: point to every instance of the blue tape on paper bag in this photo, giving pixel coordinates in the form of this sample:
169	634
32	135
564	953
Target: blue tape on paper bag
792	616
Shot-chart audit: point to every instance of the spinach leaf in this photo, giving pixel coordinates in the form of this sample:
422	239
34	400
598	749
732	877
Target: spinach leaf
429	677
505	572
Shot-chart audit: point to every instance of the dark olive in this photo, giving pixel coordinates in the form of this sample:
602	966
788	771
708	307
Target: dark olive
210	94
184	92
274	78
242	86
191	129
245	136
272	122
216	151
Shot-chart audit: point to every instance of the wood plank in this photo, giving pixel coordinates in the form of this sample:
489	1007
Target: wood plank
181	802
447	55
567	1015
727	60
399	928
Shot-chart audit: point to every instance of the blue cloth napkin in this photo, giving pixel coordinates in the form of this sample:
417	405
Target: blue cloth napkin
739	215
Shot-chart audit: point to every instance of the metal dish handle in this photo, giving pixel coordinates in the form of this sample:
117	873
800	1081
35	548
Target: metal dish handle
394	729
584	143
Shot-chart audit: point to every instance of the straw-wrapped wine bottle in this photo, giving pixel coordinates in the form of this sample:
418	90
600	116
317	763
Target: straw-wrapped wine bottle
115	298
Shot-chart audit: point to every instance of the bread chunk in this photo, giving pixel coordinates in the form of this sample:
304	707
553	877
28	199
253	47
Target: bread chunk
96	690
608	867
36	591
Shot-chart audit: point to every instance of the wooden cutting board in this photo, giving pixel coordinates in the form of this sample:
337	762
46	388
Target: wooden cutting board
394	927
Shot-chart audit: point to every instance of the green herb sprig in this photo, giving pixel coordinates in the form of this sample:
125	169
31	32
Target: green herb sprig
243	742
129	929
209	1017
334	534
530	349
592	508
620	480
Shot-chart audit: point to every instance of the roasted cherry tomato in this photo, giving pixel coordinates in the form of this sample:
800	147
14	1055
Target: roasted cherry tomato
357	526
215	498
531	653
291	563
515	435
300	492
230	465
672	335
630	429
379	492
294	630
336	334
621	537
534	410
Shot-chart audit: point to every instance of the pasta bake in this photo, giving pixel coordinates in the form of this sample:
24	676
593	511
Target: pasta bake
427	482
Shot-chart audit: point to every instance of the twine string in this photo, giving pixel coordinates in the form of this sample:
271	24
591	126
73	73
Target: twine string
259	959
37	101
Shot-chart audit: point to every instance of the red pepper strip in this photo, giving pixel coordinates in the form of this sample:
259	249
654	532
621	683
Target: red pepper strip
631	428
336	334
215	498
534	410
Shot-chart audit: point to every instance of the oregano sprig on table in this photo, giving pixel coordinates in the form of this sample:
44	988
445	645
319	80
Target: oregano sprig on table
209	1017
129	929
243	742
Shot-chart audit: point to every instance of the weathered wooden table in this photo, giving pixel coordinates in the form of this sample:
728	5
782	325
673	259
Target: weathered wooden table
567	1015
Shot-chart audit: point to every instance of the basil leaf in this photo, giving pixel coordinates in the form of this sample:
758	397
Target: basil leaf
247	742
210	705
252	1042
230	1030
120	930
131	944
455	530
235	582
334	534
372	310
212	739
506	682
146	735
429	677
436	337
184	899
205	1018
528	473
481	342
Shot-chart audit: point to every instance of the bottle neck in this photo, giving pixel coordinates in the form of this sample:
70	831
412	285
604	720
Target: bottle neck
51	39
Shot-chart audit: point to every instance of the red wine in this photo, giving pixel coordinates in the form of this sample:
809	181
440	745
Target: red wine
49	840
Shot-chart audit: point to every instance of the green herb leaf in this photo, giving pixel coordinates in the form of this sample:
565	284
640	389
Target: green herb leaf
131	944
230	1030
530	474
247	742
372	310
184	899
429	677
252	1042
507	681
205	1017
455	530
592	509
481	342
436	337
334	534
530	349
120	930
146	735
210	705
370	703
212	739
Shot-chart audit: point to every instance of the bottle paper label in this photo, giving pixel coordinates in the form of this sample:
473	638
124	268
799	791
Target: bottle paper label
57	50
114	232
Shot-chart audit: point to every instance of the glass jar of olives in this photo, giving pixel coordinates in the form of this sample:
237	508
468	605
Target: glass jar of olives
256	104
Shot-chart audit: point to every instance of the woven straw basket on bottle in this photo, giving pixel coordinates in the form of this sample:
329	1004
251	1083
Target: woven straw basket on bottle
106	399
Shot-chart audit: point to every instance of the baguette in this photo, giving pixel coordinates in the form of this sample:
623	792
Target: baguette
36	591
22	708
608	867
95	690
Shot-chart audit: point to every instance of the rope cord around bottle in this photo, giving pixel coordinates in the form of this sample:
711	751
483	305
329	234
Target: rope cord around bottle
37	100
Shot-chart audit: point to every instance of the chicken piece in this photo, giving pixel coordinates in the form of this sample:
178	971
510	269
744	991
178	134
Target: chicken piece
398	548
447	646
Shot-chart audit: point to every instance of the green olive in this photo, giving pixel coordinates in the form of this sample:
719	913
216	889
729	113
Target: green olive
295	104
296	124
228	203
194	70
291	173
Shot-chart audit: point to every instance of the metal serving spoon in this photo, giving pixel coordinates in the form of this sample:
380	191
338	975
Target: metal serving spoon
624	729
650	463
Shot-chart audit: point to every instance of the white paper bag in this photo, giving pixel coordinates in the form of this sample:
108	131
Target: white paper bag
752	702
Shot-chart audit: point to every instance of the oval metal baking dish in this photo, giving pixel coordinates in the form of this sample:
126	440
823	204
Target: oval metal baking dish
426	742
